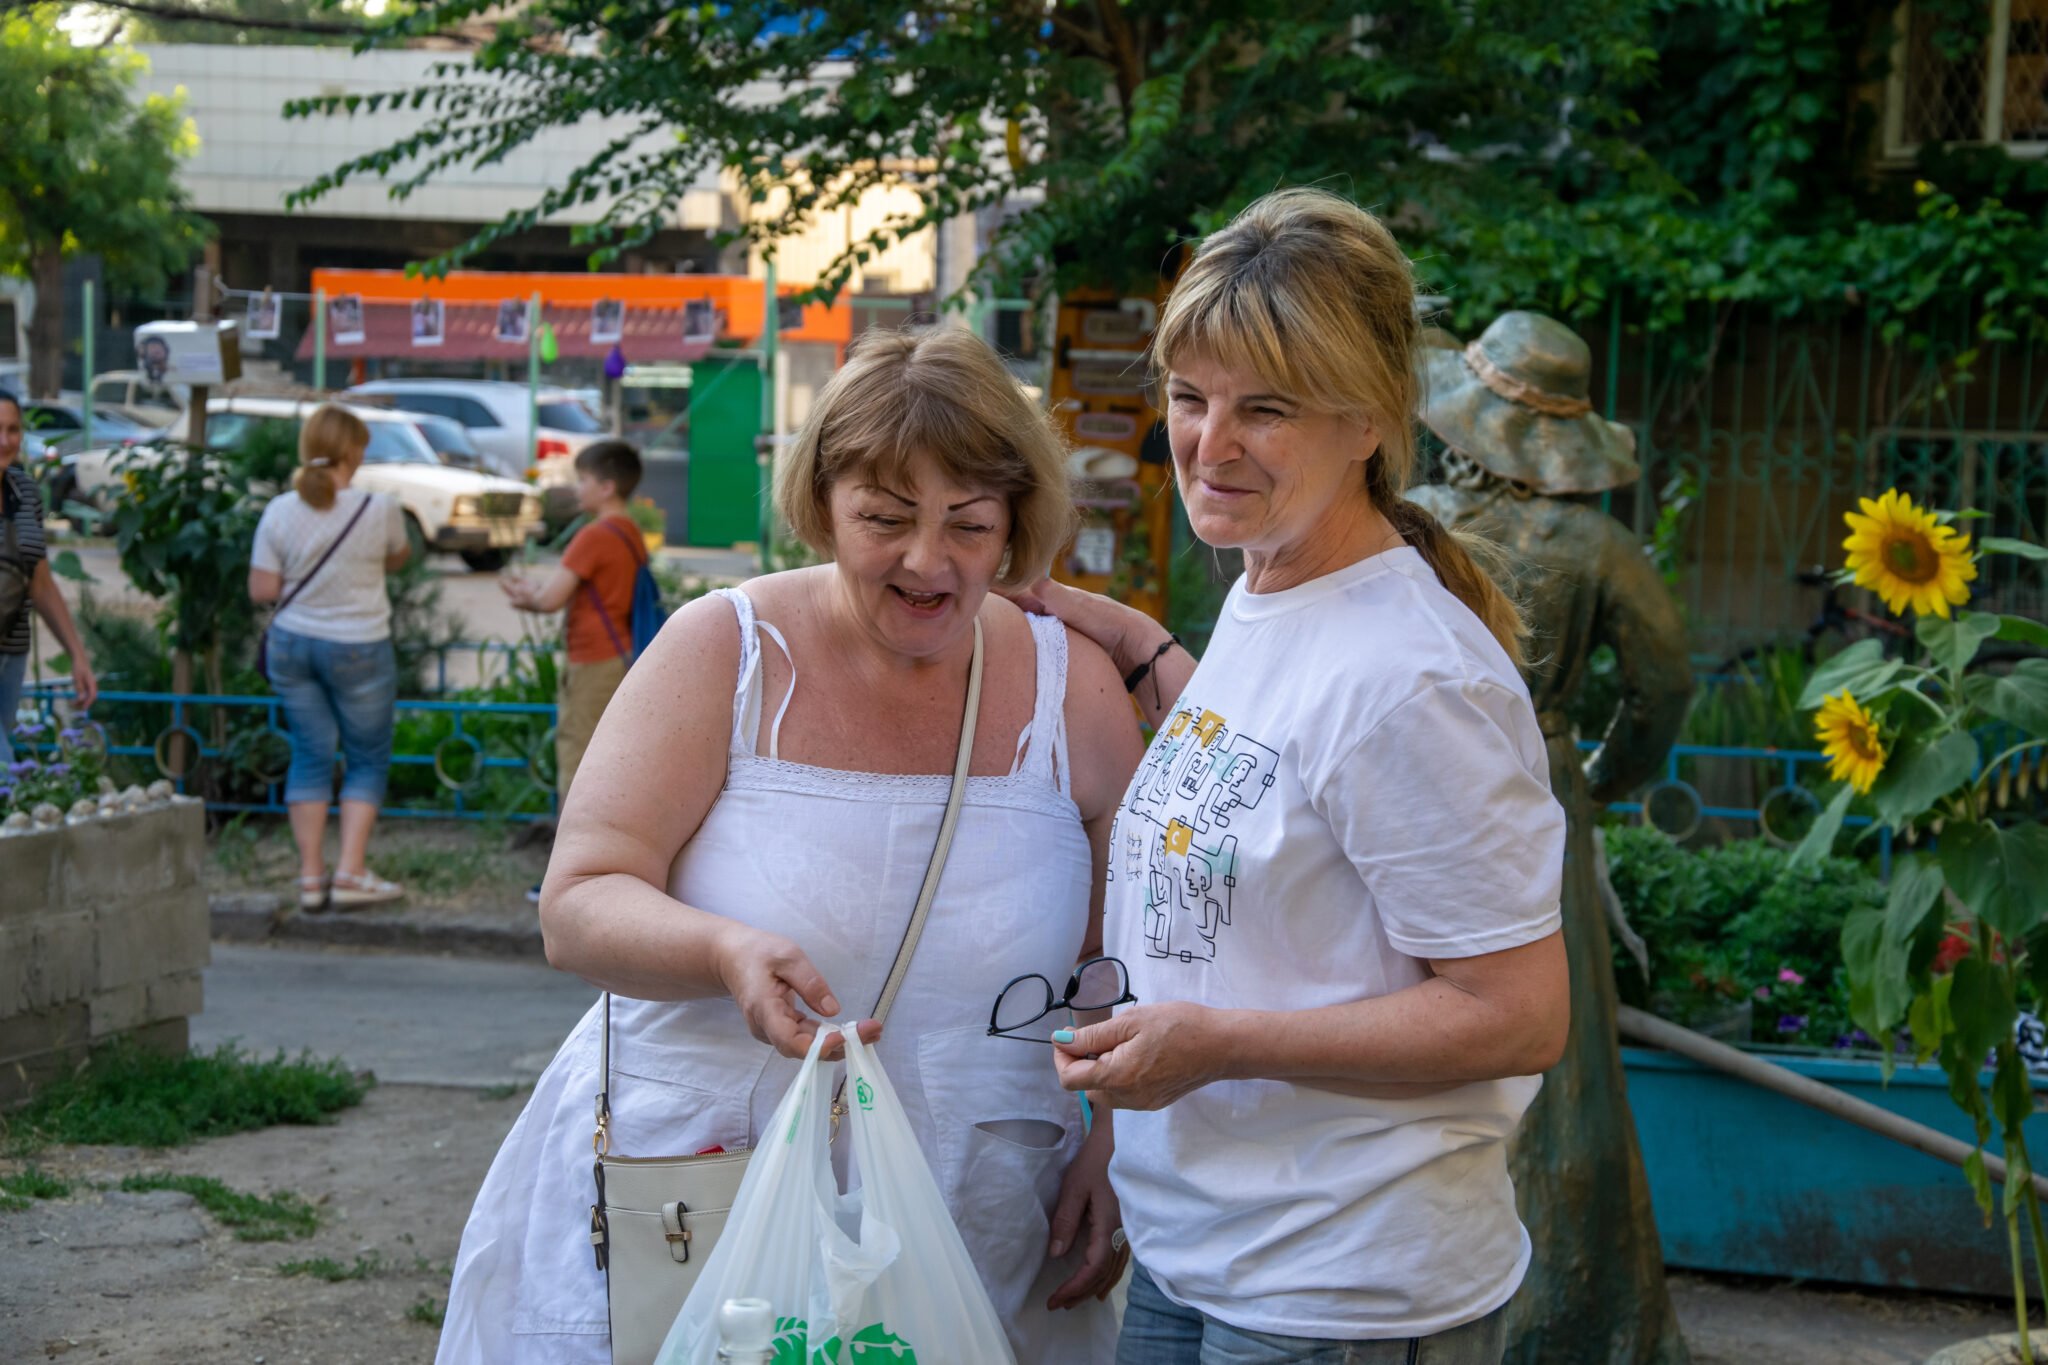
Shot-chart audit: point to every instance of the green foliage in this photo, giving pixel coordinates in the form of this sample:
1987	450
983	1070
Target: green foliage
1949	958
428	1310
1677	151
183	531
334	1272
254	1217
86	167
1725	925
130	1096
32	1182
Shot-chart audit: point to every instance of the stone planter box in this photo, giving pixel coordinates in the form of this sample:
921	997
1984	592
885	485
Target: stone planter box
1744	1179
103	933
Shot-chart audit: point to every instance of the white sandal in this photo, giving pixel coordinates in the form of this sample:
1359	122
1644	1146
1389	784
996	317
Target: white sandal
368	889
312	894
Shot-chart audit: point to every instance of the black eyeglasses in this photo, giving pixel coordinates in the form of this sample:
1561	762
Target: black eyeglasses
1100	983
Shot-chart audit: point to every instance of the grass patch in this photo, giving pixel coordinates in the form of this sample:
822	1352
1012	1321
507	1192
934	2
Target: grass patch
254	1217
427	1309
129	1096
12	1203
334	1272
34	1183
444	870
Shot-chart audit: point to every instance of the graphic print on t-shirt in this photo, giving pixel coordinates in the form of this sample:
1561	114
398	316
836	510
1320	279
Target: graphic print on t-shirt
1178	830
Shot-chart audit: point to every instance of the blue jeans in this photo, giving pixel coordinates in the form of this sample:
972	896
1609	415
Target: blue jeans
1158	1331
335	693
13	670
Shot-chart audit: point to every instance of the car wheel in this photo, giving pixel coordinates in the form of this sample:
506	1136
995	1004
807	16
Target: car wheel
486	561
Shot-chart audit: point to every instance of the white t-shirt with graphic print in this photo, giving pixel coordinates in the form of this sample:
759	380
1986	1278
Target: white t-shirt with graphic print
1352	782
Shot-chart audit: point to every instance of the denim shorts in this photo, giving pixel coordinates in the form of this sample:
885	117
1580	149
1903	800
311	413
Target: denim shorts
1158	1331
335	694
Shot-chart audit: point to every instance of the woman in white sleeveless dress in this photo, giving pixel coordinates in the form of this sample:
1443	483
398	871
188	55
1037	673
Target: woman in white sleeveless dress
746	840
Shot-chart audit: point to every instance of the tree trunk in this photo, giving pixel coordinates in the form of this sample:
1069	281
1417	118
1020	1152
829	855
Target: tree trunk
1595	1291
46	327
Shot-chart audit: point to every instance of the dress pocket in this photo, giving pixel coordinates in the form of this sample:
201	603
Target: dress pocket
1005	1133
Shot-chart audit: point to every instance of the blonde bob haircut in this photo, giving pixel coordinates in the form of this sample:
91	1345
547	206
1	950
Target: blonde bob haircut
944	394
331	441
1313	295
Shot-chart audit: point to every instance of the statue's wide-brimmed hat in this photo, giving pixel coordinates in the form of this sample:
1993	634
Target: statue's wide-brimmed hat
1516	401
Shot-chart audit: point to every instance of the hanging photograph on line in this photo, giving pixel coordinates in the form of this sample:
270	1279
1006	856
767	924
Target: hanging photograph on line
512	322
263	317
345	320
607	321
429	322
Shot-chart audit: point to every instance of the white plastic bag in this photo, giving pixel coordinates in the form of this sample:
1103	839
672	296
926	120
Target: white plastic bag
876	1275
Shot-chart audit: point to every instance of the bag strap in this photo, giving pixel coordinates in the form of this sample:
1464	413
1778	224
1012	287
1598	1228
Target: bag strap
597	600
325	555
636	548
927	893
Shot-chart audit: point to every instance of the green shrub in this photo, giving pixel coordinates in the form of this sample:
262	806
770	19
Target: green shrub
254	1217
1731	927
130	1096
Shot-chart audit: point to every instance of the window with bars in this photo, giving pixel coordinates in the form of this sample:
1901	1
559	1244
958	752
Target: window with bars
1982	78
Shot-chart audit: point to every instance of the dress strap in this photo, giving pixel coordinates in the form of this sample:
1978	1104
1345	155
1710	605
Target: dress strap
1042	747
747	700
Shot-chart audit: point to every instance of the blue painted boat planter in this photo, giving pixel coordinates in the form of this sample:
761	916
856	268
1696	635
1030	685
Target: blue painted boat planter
1744	1179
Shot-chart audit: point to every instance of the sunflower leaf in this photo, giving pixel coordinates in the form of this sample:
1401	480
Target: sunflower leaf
1970	862
2005	545
2021	903
1982	1006
1820	837
1861	670
1920	771
2018	698
1954	643
2020	630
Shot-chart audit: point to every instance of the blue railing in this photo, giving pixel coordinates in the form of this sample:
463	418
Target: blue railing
181	733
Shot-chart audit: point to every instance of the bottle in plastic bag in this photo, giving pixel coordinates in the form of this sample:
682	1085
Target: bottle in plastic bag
746	1332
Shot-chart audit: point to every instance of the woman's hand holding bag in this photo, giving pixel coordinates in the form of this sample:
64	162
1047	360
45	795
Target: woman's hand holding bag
767	974
881	1266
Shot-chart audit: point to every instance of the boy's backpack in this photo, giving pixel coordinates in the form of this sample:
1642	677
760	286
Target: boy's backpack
647	615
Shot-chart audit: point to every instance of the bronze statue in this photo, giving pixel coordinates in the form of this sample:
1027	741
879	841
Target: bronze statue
1524	447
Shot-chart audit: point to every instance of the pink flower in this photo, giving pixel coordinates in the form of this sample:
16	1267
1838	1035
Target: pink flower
1790	977
1763	992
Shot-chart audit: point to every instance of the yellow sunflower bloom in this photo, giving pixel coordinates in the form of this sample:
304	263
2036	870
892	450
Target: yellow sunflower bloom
1906	556
1848	736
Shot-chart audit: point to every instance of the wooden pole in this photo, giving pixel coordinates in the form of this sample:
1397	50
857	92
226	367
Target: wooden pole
195	438
1648	1028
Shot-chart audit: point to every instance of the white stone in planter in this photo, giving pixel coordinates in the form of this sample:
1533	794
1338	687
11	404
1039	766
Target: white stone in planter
2003	1349
17	823
82	810
107	787
47	815
162	790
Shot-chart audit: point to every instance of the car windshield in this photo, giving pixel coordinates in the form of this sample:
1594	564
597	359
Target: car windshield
565	414
446	437
112	424
397	443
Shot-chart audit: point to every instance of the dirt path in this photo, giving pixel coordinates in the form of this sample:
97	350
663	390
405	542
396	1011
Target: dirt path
151	1280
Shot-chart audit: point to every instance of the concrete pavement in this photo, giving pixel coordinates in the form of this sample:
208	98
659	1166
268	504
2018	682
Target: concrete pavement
412	1020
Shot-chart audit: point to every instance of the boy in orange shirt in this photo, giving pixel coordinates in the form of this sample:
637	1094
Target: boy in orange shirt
595	582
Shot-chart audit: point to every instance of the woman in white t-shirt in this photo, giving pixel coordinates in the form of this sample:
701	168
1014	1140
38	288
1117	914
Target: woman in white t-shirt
1335	876
322	551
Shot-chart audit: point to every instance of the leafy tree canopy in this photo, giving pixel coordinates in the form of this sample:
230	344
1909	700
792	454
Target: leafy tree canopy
85	166
1532	154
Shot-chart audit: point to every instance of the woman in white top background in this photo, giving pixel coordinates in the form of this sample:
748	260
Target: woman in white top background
746	839
325	547
1335	876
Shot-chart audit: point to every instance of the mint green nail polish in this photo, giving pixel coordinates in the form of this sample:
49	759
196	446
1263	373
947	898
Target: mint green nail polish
1065	1035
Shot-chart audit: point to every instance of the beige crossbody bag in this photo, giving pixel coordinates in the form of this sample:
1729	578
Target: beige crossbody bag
657	1218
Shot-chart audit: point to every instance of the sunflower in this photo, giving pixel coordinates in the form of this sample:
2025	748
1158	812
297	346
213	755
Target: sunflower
1908	556
1848	736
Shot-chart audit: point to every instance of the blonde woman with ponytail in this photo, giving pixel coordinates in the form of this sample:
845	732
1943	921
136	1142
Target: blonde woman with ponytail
1335	877
321	553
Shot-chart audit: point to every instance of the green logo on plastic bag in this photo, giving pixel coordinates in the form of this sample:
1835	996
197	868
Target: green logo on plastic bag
874	1344
865	1093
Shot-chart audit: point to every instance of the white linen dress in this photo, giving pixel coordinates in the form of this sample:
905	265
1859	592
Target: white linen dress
833	860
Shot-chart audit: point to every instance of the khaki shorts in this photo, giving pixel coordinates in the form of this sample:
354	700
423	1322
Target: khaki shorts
586	690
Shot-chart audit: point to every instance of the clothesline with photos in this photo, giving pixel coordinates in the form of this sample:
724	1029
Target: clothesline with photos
513	320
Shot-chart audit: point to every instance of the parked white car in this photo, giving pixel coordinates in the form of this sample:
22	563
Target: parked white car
479	516
152	405
495	414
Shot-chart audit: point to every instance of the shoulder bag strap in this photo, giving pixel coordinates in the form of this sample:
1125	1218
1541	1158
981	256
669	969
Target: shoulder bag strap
325	555
597	599
636	548
926	894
